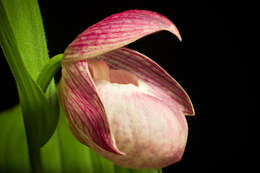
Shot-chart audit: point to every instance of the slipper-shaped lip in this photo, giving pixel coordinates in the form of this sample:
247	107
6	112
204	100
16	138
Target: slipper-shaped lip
84	109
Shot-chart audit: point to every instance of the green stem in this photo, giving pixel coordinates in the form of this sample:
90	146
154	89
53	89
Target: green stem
48	71
35	159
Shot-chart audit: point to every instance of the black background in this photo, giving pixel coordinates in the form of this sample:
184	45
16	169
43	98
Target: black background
208	64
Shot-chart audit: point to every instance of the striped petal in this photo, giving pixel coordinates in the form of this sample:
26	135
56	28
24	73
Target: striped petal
151	73
84	109
117	31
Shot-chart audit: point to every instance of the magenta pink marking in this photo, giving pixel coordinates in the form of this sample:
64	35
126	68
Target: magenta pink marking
118	30
84	91
71	108
141	70
149	70
93	35
149	73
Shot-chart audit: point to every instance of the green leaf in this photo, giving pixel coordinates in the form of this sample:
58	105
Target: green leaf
35	106
62	154
23	42
26	24
13	146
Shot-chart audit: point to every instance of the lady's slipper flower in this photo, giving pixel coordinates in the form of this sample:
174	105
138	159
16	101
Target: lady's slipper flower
118	101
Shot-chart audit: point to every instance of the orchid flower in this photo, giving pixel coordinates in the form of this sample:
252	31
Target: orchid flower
118	101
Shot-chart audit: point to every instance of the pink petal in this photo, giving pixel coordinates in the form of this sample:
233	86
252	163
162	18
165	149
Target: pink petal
152	74
84	109
150	131
116	31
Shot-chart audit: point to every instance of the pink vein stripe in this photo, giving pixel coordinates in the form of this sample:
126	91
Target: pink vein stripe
150	72
84	108
117	31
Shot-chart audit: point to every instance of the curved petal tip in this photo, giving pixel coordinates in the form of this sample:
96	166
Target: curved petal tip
116	31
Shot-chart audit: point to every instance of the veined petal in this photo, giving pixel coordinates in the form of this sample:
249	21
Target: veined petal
117	31
84	110
152	74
